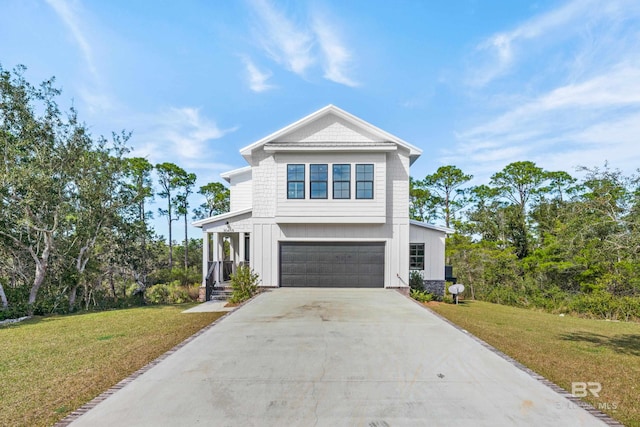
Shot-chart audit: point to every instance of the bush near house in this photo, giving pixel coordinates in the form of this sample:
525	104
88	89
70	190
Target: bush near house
244	284
416	281
421	296
172	293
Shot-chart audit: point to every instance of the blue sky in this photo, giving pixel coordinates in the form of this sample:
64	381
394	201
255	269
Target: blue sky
477	84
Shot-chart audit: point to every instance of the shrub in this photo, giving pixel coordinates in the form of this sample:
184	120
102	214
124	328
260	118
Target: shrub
158	294
244	284
416	282
421	296
171	293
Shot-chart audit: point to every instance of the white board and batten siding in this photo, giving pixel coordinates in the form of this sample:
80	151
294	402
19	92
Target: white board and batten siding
434	243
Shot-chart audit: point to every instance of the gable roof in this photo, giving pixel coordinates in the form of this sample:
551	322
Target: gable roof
368	128
431	226
227	215
228	175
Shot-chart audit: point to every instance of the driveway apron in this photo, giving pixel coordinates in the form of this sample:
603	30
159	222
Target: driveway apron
334	357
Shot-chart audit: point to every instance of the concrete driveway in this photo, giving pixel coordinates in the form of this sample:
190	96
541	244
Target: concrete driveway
334	357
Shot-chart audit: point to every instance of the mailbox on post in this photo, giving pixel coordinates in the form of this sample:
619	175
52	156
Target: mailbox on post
456	290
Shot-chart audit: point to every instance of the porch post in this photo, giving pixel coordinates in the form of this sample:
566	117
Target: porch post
205	257
202	292
218	255
241	249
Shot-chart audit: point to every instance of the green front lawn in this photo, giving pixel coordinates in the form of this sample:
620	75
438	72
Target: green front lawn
50	366
563	349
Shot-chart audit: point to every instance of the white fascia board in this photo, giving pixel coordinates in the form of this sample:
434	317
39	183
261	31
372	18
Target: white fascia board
329	148
432	227
220	217
227	175
331	219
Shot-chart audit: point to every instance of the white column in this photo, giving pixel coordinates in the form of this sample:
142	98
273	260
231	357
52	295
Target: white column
205	257
241	250
215	252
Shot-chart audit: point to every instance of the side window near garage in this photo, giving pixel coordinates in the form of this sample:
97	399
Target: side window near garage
364	181
416	256
295	181
318	178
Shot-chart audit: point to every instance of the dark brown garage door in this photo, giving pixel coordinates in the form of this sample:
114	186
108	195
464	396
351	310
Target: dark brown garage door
332	265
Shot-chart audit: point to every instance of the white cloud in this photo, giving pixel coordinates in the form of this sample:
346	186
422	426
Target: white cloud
67	11
574	98
257	79
301	45
576	124
285	42
179	135
91	90
337	57
499	54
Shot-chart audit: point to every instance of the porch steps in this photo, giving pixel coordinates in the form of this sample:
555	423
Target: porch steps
221	293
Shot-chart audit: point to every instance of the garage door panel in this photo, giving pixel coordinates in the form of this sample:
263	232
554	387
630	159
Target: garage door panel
324	264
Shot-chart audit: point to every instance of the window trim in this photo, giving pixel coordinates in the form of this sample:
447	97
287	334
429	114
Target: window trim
290	181
365	181
335	181
312	181
413	253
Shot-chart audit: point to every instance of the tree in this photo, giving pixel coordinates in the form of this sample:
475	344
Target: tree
3	298
217	200
519	181
446	183
169	176
484	216
140	187
37	164
185	182
422	204
98	198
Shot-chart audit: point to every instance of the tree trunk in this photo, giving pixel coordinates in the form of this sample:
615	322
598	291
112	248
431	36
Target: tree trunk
72	297
170	239
186	246
3	298
41	270
113	288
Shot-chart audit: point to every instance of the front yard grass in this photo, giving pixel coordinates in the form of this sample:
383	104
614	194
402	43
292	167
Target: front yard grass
50	366
563	349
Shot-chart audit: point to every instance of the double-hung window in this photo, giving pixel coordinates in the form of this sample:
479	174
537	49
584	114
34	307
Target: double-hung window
341	181
318	177
364	181
295	181
416	256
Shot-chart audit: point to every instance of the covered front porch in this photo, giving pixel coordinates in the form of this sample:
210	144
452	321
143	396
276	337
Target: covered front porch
226	245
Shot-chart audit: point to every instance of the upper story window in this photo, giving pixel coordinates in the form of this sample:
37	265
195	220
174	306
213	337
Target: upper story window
318	177
295	181
364	181
416	256
341	181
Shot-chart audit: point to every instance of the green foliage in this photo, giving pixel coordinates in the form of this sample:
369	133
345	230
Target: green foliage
416	282
421	296
171	293
423	204
445	184
244	283
217	200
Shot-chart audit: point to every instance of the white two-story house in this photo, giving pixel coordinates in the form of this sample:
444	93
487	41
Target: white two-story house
324	202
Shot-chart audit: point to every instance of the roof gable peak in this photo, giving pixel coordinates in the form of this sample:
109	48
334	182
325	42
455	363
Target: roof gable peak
366	131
